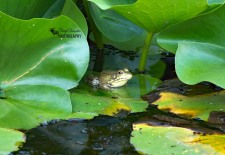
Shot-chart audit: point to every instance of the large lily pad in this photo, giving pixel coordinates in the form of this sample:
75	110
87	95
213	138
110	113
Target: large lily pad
109	22
155	15
24	107
198	43
10	140
36	68
174	140
191	66
28	9
31	54
195	107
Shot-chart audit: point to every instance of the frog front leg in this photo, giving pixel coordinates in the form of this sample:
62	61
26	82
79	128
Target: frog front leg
106	86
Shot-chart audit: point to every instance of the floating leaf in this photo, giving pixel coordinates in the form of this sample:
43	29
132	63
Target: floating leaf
86	103
25	107
138	86
85	100
174	140
10	140
199	106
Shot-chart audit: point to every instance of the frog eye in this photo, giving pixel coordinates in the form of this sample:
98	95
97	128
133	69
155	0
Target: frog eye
126	70
120	72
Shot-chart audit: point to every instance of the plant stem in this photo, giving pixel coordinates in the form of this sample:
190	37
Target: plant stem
98	64
97	34
144	53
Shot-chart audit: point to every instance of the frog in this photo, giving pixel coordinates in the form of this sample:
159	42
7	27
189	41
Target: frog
110	79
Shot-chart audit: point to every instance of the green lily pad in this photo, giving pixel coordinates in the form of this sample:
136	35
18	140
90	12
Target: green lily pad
36	68
191	66
88	102
155	15
109	22
24	107
28	9
138	86
31	54
174	140
10	140
195	106
196	46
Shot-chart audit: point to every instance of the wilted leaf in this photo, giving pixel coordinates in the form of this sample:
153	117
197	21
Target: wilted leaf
199	106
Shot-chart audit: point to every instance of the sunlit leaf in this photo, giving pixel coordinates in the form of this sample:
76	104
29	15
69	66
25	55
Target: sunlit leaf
174	140
199	106
87	103
10	140
110	102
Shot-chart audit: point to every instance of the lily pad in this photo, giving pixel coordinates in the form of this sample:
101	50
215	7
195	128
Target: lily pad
138	86
198	45
199	106
109	22
155	15
191	66
34	75
24	107
28	9
26	59
11	140
86	100
174	140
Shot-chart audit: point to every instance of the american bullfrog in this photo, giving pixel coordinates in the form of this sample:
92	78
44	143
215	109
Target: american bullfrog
110	79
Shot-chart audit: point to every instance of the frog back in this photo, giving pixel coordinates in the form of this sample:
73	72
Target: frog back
107	76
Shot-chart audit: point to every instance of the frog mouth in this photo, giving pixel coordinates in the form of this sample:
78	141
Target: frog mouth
119	83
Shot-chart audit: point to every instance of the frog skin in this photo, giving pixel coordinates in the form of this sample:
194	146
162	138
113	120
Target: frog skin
110	79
